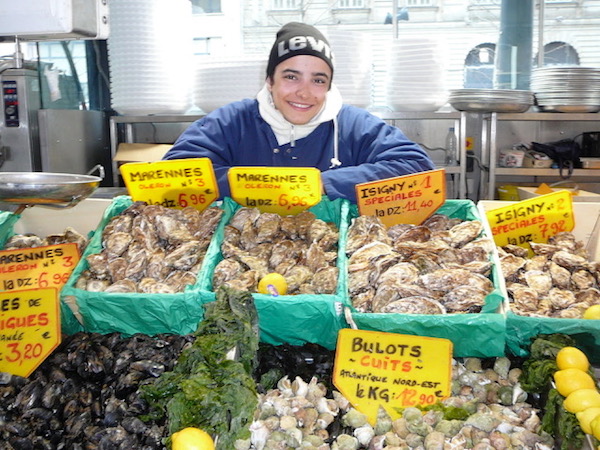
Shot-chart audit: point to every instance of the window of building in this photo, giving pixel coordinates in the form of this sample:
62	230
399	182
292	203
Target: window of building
419	2
206	6
285	4
351	4
479	67
559	54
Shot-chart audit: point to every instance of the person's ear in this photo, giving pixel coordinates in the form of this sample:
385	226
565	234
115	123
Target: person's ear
269	81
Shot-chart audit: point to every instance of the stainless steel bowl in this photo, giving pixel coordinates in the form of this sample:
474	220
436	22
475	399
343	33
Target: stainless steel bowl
41	188
482	106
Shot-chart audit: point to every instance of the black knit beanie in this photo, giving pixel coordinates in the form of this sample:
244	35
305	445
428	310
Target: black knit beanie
295	39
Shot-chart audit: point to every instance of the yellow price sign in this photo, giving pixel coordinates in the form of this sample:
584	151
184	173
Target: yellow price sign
532	220
394	371
406	199
29	329
39	267
177	183
281	190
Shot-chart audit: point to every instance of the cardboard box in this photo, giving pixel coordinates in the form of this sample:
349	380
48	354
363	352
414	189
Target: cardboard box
141	152
578	195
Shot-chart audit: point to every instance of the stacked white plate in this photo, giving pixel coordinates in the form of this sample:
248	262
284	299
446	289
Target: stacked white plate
353	65
222	80
416	75
150	56
571	89
491	100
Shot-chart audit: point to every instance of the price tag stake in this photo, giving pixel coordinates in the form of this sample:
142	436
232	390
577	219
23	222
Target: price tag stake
39	267
393	371
176	184
532	220
280	190
408	199
29	329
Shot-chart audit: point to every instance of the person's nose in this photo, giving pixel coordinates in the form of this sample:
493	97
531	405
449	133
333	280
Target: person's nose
303	90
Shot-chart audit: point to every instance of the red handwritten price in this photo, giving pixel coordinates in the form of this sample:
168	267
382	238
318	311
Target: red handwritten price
548	230
291	201
186	200
411	397
19	353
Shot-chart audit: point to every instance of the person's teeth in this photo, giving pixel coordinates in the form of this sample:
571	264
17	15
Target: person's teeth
298	105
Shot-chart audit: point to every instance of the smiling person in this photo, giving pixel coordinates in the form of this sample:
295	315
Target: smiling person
298	119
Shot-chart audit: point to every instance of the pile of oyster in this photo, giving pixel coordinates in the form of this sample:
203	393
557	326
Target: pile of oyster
151	249
85	395
494	415
557	281
438	267
30	240
302	248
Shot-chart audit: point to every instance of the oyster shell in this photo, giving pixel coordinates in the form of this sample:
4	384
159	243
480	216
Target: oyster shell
414	305
465	232
464	299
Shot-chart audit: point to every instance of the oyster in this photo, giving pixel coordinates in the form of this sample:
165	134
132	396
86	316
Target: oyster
414	305
464	299
465	232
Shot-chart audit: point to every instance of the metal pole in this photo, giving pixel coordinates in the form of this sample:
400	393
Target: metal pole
395	18
541	17
514	52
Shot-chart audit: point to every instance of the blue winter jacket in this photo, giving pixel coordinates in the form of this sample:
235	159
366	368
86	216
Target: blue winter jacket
369	149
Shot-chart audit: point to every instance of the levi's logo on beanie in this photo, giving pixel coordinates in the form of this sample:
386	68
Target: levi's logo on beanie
295	39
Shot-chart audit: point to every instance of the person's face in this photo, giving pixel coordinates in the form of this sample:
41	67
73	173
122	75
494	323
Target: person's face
299	86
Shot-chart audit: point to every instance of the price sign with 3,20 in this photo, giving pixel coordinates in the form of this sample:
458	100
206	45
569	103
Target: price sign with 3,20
39	267
29	329
393	371
178	183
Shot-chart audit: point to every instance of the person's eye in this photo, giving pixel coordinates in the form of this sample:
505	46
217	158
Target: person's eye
320	81
290	76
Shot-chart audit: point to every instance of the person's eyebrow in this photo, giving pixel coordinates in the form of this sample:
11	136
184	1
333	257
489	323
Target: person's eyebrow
298	72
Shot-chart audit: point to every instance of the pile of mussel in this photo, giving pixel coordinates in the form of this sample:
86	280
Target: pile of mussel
86	395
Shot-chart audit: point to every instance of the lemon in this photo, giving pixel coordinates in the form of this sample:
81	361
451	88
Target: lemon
192	438
272	283
593	312
595	427
582	399
572	357
569	380
585	418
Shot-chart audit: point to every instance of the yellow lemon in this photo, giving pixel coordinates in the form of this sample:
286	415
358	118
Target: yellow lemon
572	357
593	312
595	427
582	399
585	418
272	283
192	438
569	380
